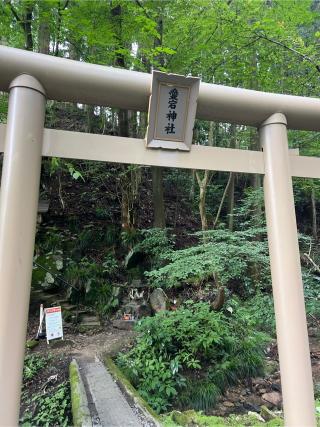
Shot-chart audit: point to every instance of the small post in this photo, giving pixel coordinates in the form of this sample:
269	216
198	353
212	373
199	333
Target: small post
291	324
18	215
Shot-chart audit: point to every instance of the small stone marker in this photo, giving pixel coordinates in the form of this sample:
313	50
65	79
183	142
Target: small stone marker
158	300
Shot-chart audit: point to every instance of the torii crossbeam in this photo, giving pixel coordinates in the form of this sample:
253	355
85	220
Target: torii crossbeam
31	78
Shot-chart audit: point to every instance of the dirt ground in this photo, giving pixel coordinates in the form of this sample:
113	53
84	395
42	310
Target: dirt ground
94	343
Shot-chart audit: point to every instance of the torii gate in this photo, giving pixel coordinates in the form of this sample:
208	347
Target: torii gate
31	78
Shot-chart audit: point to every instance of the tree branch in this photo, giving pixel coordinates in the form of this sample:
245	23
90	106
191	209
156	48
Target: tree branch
290	49
16	16
144	10
222	200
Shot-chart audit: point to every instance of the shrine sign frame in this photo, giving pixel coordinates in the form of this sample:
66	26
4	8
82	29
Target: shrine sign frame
31	78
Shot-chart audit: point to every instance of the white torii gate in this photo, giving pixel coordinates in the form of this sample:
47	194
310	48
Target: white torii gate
31	78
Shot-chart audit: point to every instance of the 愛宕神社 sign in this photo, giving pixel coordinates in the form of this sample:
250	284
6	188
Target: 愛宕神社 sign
172	111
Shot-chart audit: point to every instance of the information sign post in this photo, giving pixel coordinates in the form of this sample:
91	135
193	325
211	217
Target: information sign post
53	323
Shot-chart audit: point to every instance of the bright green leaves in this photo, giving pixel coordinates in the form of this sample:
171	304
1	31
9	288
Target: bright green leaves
193	344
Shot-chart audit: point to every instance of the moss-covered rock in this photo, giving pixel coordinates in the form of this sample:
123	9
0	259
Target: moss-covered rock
30	344
192	419
45	270
266	413
184	418
79	403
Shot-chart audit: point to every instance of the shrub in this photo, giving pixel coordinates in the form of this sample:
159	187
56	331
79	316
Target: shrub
51	409
150	248
90	284
230	255
191	343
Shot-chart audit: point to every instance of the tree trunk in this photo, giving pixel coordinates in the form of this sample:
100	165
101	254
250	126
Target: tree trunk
25	22
157	197
44	28
204	182
202	207
233	144
231	202
314	215
28	26
123	125
159	219
223	199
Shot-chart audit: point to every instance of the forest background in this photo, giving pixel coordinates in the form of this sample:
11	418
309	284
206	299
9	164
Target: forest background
199	235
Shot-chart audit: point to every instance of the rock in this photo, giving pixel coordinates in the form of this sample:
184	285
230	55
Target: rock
228	404
137	309
258	381
274	398
134	258
183	418
251	407
144	310
271	367
158	300
31	344
262	390
276	387
313	332
266	414
256	415
232	396
126	325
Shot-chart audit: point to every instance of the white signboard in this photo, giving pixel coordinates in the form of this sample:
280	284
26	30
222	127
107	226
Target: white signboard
53	323
172	111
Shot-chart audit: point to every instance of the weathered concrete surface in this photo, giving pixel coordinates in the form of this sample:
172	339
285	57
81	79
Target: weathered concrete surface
108	406
80	410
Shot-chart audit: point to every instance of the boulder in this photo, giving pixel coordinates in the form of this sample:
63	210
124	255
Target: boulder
185	419
228	404
266	414
31	344
274	398
158	300
126	325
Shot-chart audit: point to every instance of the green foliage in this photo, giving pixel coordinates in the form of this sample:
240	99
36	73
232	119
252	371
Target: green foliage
312	293
229	255
152	244
201	420
199	394
191	341
51	408
60	165
33	363
91	284
257	311
46	269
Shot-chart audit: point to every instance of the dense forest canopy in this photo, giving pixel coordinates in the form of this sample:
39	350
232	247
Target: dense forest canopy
200	236
263	45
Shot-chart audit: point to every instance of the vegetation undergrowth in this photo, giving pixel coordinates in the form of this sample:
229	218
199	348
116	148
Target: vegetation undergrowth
45	398
50	409
187	418
188	357
33	363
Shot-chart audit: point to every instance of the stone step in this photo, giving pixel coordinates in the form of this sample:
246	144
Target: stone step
69	307
88	320
108	406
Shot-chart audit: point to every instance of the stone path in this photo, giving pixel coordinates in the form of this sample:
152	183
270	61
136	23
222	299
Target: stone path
108	406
